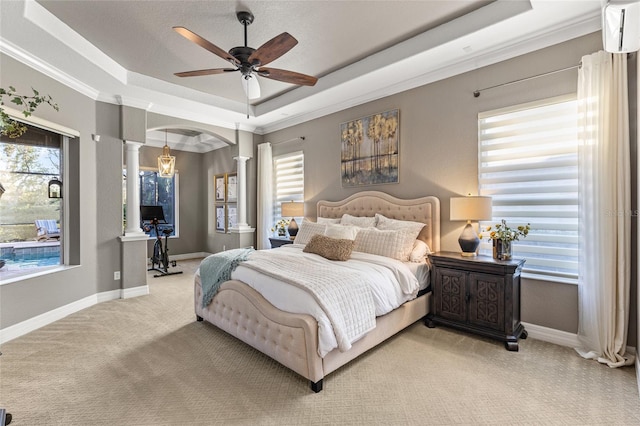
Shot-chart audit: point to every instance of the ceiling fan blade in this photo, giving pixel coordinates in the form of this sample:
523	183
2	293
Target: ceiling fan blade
191	36
288	76
251	86
204	72
272	49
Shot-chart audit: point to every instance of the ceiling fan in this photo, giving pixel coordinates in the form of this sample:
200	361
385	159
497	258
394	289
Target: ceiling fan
249	61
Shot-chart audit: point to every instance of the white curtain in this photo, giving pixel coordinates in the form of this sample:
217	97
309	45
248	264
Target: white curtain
604	208
265	195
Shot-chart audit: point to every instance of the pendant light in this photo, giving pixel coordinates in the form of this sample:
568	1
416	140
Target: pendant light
166	161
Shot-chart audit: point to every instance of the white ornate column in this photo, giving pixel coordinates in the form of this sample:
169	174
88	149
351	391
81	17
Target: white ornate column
133	190
241	172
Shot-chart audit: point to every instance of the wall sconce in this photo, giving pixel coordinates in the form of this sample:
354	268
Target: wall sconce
55	188
166	161
470	208
292	210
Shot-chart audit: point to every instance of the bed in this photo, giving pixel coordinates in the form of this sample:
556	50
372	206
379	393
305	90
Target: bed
293	339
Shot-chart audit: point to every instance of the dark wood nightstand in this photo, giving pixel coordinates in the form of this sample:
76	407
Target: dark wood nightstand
477	294
279	241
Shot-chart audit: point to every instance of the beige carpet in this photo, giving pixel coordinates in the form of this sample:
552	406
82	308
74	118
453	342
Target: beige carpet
146	361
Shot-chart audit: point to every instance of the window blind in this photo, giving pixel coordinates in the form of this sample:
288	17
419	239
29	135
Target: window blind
528	164
288	172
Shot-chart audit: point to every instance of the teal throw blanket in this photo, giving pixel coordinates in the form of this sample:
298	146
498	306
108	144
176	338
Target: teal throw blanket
217	268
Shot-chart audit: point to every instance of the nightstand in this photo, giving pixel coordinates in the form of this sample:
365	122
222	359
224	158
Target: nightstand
279	241
477	294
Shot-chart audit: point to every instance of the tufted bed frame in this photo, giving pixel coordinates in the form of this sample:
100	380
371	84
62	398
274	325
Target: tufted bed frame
292	339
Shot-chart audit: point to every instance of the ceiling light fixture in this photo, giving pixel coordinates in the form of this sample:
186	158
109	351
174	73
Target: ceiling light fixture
166	161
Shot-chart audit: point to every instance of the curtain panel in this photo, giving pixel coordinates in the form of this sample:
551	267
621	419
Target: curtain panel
604	208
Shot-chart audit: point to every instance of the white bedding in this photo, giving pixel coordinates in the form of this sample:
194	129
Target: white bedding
392	283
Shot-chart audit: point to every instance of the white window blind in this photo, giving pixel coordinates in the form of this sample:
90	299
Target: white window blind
528	164
288	172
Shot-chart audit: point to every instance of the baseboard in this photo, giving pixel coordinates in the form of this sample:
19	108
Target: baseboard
186	256
551	335
127	293
32	324
638	370
24	327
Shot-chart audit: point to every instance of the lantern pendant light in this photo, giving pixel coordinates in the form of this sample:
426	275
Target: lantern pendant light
166	161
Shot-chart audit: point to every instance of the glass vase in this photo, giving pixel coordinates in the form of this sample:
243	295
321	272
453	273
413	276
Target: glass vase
502	249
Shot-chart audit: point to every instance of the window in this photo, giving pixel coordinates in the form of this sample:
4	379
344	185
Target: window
288	172
528	164
157	191
27	164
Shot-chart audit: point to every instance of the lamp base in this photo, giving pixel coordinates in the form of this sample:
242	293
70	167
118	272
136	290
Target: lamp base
292	229
465	254
469	241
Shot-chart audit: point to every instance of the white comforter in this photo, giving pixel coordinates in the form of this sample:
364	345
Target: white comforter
392	283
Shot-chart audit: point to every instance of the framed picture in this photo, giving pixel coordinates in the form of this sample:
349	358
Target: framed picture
220	188
370	149
232	187
221	219
232	216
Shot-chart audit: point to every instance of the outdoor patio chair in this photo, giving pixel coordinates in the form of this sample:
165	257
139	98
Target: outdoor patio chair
47	229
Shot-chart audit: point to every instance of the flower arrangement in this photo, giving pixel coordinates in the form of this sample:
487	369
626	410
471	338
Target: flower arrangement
281	226
503	232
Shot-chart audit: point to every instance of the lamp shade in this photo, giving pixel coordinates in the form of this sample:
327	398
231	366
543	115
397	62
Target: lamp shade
292	209
470	208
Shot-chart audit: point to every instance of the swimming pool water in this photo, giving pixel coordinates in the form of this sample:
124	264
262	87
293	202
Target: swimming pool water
29	262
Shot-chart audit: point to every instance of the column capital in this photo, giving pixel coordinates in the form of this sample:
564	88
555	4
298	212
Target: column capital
241	158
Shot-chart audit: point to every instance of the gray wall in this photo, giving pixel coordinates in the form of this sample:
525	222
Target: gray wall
28	298
439	154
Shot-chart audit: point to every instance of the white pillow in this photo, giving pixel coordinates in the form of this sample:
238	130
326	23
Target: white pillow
307	230
361	221
328	220
342	232
419	252
383	222
396	244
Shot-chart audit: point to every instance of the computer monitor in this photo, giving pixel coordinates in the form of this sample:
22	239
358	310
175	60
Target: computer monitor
149	213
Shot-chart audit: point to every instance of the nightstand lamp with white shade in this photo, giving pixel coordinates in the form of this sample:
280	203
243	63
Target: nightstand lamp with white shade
292	209
470	208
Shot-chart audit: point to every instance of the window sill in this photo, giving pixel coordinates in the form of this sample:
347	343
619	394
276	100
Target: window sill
548	278
16	276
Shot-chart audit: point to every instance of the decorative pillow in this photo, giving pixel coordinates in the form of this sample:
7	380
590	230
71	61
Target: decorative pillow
346	232
361	221
307	230
419	252
396	244
328	220
330	248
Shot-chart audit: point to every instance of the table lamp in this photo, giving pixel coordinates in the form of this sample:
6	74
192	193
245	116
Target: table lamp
292	209
470	208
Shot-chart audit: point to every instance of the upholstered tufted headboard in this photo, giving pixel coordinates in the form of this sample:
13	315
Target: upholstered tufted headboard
368	203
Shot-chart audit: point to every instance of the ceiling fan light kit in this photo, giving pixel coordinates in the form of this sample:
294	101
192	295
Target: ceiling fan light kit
249	61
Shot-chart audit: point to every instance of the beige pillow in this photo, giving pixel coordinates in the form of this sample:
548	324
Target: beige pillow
346	232
330	248
308	230
396	244
362	222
